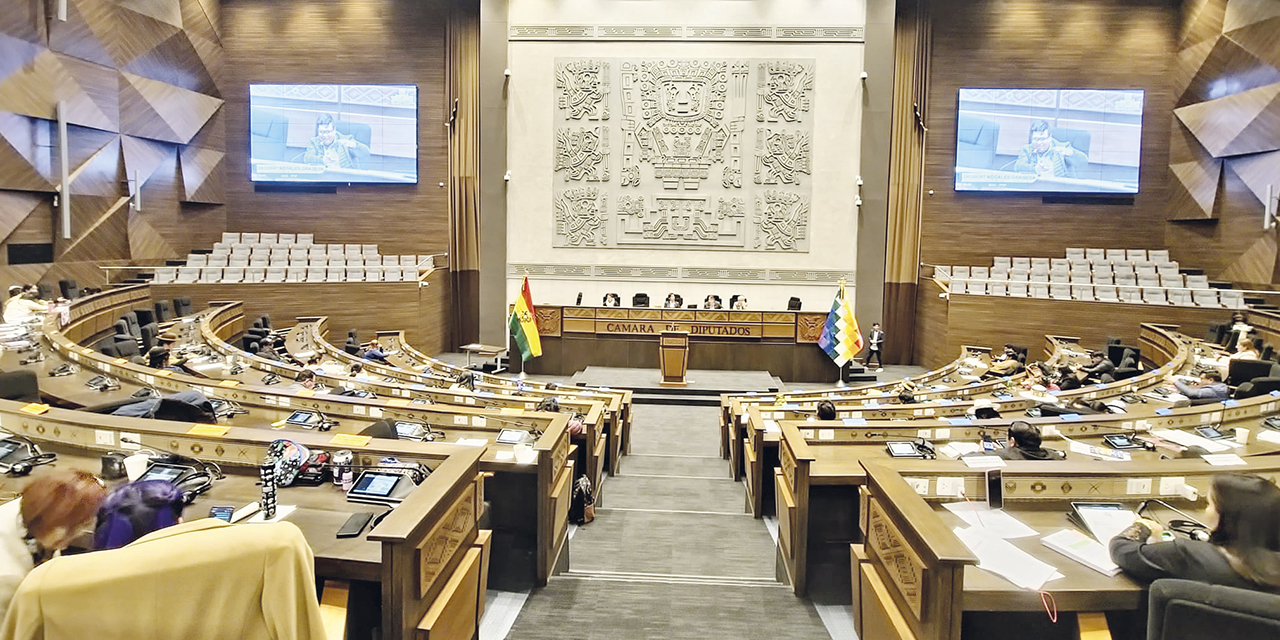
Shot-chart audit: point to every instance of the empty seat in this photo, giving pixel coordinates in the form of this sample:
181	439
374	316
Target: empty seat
165	275
1135	254
238	261
1115	255
287	238
978	287
274	274
278	261
298	255
295	274
1061	277
233	274
1076	255
1018	275
268	238
249	238
197	260
369	249
373	274
1003	262
1059	264
315	274
338	261
979	272
1158	255
306	238
217	261
1082	291
1130	294
1039	262
210	274
998	288
220	249
1022	263
1153	295
1095	256
255	274
1081	278
164	310
1126	279
1232	299
1039	289
187	275
374	261
259	261
1171	281
319	261
956	272
1197	282
999	274
1144	269
230	237
1105	293
1018	289
1145	280
1205	297
355	274
408	261
958	286
1167	270
353	249
1103	278
1039	276
1060	291
334	274
1179	297
355	261
182	306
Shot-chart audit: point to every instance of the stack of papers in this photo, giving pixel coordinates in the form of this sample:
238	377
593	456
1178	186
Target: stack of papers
1000	557
993	522
957	449
1082	549
1187	439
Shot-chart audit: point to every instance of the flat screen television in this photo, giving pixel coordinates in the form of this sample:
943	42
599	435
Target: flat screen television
333	133
1049	140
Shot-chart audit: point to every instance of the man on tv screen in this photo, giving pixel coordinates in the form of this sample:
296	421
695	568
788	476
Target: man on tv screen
1047	157
333	149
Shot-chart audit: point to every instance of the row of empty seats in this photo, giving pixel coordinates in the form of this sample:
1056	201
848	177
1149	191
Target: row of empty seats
1164	276
1099	256
234	248
1180	296
205	275
301	260
270	238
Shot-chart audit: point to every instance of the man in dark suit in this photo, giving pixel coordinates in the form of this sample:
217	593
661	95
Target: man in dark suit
875	342
1099	368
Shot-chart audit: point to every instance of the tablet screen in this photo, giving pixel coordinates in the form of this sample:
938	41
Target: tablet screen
301	417
1105	519
376	484
510	436
903	450
7	447
164	472
409	430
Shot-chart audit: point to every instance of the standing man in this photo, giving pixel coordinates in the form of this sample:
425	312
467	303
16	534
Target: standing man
874	344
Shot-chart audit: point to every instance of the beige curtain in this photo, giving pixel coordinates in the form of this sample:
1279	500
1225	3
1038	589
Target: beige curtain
463	78
912	48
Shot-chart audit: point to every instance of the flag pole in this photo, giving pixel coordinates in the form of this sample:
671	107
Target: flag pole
840	368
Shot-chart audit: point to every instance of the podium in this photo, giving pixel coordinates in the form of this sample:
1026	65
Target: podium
673	355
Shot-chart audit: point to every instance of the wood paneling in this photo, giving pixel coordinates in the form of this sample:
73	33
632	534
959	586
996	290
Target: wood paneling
992	321
1045	43
341	41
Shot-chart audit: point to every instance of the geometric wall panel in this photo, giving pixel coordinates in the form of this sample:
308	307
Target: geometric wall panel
1242	13
160	111
101	173
1259	39
15	206
200	18
23	20
1226	69
35	88
99	228
1203	20
87	32
143	157
203	172
1257	171
1245	122
145	243
24	153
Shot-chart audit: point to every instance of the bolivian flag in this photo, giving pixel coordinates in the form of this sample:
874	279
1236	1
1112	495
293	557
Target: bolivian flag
523	327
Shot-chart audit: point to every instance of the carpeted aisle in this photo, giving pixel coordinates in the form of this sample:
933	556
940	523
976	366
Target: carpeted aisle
671	553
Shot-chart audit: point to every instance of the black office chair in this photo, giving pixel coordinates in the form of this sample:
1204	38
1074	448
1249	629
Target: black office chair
1117	352
182	306
793	304
122	328
22	385
733	300
1188	610
164	310
131	319
1128	368
107	347
126	348
47	291
150	332
640	300
380	429
1259	386
266	320
1268	352
145	316
70	290
351	347
1215	333
1242	371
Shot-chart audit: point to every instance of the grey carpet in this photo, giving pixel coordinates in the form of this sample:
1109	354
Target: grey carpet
657	465
674	543
675	494
672	429
697	379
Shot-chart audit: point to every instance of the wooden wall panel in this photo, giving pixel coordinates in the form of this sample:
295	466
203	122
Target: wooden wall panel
930	347
362	41
1045	43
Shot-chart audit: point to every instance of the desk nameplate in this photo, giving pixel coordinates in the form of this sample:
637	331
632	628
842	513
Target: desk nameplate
655	327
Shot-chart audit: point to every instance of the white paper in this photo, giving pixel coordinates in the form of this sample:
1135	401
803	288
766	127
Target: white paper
1082	549
1269	436
1106	524
984	462
994	521
957	449
1223	459
1000	557
1190	440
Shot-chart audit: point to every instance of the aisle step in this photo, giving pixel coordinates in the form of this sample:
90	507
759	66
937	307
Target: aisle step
669	578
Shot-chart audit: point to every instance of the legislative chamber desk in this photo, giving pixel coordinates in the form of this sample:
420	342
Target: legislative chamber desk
783	343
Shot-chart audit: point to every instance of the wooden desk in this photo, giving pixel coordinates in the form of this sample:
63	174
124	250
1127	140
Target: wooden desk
781	342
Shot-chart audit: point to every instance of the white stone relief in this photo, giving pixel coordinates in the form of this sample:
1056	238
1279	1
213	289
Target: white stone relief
583	154
581	217
781	220
583	88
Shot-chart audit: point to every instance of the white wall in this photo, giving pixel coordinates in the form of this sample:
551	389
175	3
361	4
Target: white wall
837	128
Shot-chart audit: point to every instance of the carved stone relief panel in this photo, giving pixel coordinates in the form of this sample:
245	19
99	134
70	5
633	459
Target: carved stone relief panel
681	135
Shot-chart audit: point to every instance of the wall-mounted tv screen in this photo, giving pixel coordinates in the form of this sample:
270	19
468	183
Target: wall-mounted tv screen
333	133
1049	140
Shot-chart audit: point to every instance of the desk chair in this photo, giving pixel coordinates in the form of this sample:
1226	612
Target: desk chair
22	385
1187	610
793	304
70	289
182	306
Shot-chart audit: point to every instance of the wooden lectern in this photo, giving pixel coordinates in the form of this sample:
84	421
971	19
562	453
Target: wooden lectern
673	354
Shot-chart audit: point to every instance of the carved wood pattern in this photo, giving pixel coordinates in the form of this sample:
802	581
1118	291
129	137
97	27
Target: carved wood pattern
906	570
449	534
787	462
548	320
560	454
809	327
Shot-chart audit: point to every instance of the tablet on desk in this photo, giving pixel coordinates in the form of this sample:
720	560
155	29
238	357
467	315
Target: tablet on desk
410	431
511	436
903	450
381	487
308	419
1103	520
169	472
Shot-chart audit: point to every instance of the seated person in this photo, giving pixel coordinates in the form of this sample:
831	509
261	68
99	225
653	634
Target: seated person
1099	368
1024	444
1243	549
1245	351
1036	376
357	371
21	305
133	510
52	510
672	301
740	304
375	353
1068	378
1209	387
313	363
712	302
611	300
158	358
1005	364
1240	329
551	405
306	380
826	410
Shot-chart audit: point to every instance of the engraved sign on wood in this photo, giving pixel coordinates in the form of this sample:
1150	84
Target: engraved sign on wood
449	533
906	570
